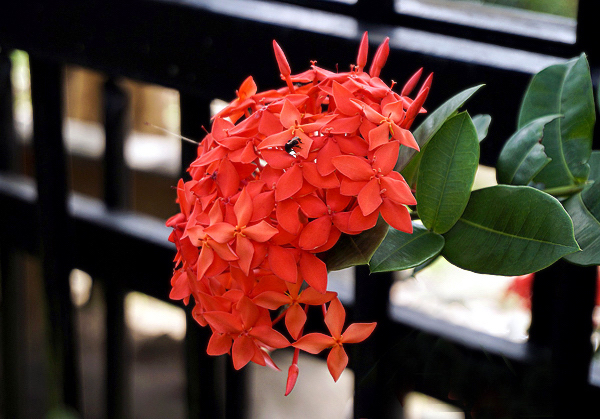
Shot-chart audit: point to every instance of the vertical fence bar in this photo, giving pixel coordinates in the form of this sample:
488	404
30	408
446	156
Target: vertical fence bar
11	290
116	193
562	303
55	227
236	394
12	337
116	128
587	33
371	303
205	398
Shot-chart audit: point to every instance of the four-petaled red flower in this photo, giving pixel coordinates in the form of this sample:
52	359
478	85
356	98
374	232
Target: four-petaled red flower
334	319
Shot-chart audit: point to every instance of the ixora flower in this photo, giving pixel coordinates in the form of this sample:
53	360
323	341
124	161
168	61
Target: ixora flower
282	175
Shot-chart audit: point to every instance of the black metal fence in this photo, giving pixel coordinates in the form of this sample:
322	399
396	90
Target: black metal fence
204	49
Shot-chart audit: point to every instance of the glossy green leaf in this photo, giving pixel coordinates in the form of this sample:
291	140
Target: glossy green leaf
584	209
523	156
356	249
447	172
400	250
591	193
587	232
510	230
482	125
564	89
430	126
594	163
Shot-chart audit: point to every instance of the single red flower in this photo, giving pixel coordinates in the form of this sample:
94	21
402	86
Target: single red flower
242	233
247	331
295	316
337	360
377	188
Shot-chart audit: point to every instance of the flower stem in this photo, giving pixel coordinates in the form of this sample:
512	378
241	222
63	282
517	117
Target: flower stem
278	318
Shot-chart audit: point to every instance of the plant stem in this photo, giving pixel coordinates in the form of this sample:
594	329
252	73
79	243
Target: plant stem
561	191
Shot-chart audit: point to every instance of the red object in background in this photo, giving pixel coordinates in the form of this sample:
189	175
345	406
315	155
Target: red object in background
521	286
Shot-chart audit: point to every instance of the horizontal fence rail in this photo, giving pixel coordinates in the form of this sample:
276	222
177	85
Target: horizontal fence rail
205	49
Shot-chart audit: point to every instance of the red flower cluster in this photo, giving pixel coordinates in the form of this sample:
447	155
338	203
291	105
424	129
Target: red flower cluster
279	178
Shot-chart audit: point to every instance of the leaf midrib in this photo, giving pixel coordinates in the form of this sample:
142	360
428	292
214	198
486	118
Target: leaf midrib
512	236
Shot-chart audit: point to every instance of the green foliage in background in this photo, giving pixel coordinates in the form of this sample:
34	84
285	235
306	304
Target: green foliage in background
566	8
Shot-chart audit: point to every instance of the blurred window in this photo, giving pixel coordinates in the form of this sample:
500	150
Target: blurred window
553	20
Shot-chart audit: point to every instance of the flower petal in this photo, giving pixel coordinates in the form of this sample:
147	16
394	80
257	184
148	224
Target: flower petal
260	232
353	167
224	251
271	300
405	137
312	176
397	190
221	232
313	343
335	318
295	318
223	322
228	179
219	344
283	263
243	208
269	336
289	116
369	198
337	360
205	259
287	215
385	157
269	124
314	271
276	140
329	150
278	158
315	233
181	287
245	250
312	206
343	102
315	298
242	351
249	312
379	136
357	332
289	183
358	222
396	215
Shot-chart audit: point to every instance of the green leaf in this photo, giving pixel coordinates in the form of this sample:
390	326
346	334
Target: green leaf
447	172
510	230
429	127
482	125
400	250
594	163
564	89
523	156
353	250
587	232
584	209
